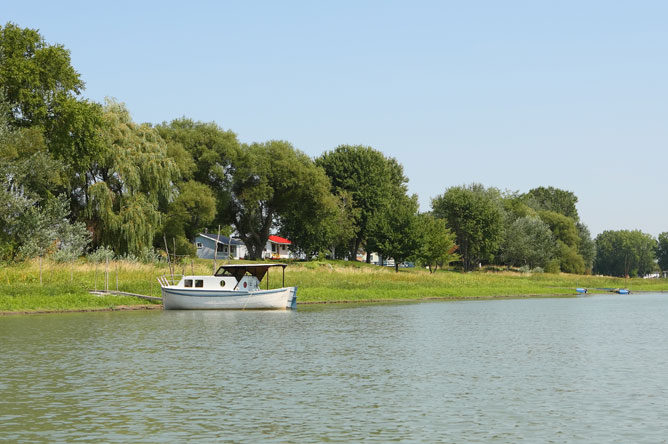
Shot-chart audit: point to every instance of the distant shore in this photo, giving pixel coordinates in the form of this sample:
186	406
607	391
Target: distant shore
65	288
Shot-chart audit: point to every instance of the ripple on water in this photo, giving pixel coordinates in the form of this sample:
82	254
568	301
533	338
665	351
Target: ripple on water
546	370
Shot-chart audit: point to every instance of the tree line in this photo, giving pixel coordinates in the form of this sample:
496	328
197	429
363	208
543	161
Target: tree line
76	175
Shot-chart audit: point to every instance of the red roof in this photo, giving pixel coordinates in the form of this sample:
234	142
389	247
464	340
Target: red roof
279	240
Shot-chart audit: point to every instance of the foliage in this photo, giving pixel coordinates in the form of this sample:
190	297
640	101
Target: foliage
36	77
134	175
193	209
398	234
662	251
45	229
320	226
437	243
553	199
625	253
370	180
528	241
586	246
272	185
562	227
203	152
569	259
101	254
475	215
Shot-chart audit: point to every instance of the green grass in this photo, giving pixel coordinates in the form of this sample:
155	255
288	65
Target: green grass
65	288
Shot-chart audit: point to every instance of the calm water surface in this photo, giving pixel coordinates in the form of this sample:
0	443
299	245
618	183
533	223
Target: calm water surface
589	370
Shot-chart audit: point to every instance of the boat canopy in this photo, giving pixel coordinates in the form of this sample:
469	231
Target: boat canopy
240	270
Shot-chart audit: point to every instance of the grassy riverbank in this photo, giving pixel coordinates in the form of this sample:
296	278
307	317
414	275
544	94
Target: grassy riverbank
65	287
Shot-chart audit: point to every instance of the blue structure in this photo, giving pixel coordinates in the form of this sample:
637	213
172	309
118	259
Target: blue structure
206	243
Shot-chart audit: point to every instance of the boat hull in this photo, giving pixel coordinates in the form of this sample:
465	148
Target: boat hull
174	298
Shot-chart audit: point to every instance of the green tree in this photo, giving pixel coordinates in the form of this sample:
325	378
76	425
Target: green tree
586	246
36	77
320	225
476	216
203	152
662	251
135	173
398	234
528	241
437	243
193	209
42	88
370	179
625	253
553	199
274	185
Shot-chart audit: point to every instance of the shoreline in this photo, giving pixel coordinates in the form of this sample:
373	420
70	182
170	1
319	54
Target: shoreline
332	302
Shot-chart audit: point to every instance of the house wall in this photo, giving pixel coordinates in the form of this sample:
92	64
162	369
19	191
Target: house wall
206	251
281	252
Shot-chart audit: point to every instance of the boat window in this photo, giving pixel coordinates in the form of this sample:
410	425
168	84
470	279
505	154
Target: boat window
222	282
188	283
199	283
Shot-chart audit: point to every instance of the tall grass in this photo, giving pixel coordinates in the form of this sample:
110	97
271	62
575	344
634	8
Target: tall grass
65	286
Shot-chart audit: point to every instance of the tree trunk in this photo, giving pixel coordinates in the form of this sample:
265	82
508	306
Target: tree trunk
396	266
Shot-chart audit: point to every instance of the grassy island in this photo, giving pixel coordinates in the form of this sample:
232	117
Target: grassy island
65	287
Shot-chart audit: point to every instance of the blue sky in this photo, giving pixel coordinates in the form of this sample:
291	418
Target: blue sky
512	94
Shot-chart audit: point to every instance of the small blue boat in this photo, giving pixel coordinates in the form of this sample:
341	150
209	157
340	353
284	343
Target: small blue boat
581	290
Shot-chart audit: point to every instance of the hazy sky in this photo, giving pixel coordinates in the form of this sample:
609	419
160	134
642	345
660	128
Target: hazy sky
511	94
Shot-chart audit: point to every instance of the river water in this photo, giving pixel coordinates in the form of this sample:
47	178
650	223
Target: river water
587	370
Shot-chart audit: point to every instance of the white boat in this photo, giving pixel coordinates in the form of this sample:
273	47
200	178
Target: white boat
232	287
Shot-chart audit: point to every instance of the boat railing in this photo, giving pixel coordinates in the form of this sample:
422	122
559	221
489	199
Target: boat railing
166	280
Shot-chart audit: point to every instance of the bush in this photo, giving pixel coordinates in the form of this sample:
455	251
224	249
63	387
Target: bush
100	255
538	270
552	266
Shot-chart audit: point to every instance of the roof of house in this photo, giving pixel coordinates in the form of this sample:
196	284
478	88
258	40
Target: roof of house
279	240
222	239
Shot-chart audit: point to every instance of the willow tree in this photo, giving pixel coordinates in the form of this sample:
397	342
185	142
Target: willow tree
132	176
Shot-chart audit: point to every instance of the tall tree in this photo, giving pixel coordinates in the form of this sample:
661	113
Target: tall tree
273	185
203	152
566	233
475	215
625	253
43	89
437	243
122	201
397	235
528	241
553	199
586	246
35	76
662	251
370	179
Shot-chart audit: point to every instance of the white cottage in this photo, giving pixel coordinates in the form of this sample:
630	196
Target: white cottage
277	248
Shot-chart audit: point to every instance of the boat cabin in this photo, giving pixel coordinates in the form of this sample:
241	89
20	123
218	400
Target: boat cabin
233	277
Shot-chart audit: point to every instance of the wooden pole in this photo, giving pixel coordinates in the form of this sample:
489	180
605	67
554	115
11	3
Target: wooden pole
96	275
116	275
215	250
106	275
169	262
